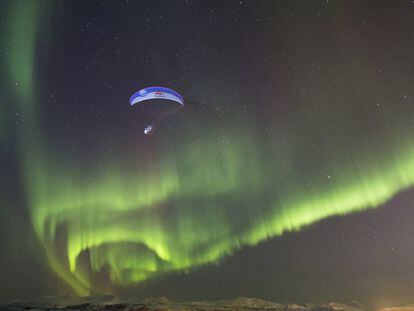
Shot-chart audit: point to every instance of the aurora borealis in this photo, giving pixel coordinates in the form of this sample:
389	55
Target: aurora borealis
315	106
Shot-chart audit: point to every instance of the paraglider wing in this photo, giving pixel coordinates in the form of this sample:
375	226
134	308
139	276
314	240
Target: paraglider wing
156	92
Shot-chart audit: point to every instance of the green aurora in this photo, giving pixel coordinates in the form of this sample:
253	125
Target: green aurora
198	202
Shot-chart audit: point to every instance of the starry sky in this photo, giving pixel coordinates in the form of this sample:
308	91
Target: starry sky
294	185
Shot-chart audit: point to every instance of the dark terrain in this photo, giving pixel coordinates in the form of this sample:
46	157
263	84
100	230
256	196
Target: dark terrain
113	303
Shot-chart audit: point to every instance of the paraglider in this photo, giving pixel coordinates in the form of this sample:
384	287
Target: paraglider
158	102
148	129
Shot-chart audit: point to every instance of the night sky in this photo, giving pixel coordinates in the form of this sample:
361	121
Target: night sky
294	185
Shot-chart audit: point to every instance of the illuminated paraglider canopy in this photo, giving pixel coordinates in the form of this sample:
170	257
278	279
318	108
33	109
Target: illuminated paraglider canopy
158	101
156	92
